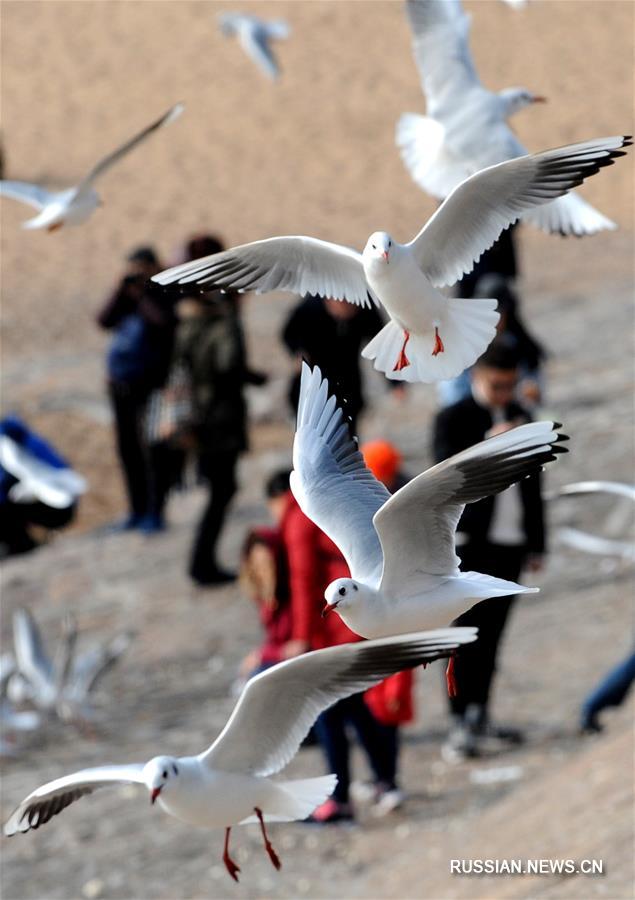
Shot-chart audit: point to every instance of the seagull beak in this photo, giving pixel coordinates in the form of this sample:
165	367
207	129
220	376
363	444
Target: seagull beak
327	608
385	255
153	796
539	99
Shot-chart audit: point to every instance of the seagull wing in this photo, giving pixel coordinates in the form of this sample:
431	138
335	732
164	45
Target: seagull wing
104	164
278	707
31	194
417	525
475	213
256	44
32	659
440	32
302	265
330	480
50	799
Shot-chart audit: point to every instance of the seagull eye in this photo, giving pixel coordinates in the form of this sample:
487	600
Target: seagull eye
164	774
354	587
390	243
174	769
342	591
374	247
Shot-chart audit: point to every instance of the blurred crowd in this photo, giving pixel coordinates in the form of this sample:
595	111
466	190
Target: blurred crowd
176	372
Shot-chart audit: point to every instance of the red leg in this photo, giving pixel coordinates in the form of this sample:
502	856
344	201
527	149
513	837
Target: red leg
438	343
230	865
273	856
55	227
451	679
402	359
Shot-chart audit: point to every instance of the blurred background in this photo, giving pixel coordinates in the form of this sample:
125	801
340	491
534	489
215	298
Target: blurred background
311	154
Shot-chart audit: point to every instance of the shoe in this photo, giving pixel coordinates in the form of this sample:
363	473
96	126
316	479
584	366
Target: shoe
387	801
130	523
331	811
478	722
462	743
151	524
213	577
591	725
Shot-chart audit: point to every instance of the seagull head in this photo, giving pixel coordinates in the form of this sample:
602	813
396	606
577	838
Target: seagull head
379	248
517	98
340	593
158	772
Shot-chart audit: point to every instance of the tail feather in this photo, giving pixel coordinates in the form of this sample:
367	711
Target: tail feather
489	586
302	796
466	330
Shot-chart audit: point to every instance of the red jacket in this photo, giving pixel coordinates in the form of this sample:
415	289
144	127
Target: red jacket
313	562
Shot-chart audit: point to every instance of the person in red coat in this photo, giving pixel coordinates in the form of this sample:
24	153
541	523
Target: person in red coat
313	561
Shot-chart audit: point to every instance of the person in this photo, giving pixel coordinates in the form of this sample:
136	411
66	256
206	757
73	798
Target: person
143	325
264	578
38	488
312	561
498	535
612	691
330	334
512	332
210	348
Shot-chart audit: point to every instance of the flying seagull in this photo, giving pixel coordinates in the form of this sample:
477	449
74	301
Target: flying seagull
400	548
254	35
429	337
228	784
74	205
466	128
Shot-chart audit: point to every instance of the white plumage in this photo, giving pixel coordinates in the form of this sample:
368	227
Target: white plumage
465	129
254	35
400	549
429	337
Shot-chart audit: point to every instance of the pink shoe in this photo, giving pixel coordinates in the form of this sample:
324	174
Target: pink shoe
331	811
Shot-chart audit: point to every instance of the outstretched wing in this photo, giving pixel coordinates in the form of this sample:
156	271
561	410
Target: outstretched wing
475	213
302	265
278	707
330	480
50	799
417	525
31	194
173	113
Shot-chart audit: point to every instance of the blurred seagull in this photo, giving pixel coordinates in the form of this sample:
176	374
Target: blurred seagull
74	205
466	127
228	784
429	337
400	548
617	524
254	35
12	720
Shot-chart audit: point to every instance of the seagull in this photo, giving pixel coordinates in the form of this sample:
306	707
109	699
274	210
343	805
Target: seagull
466	127
74	205
228	784
254	35
617	523
429	337
400	548
37	480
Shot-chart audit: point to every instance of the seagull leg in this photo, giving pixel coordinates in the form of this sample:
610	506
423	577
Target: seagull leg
450	679
230	865
438	343
273	856
402	359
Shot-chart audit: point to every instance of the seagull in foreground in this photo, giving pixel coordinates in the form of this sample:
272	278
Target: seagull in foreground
400	548
254	35
229	783
466	127
429	336
74	205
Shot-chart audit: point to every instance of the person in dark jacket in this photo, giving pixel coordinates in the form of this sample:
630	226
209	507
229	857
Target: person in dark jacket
330	334
143	324
498	536
210	347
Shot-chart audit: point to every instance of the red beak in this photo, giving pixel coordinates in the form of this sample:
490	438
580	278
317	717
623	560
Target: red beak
538	99
326	610
385	255
155	793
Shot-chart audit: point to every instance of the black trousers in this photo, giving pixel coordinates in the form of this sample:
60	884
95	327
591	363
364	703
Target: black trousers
475	664
16	518
147	471
219	470
378	741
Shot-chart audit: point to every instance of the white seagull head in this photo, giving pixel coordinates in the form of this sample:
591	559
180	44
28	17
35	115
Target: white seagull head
379	248
159	772
517	98
343	593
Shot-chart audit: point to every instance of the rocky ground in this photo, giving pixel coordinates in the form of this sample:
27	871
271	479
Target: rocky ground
566	797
